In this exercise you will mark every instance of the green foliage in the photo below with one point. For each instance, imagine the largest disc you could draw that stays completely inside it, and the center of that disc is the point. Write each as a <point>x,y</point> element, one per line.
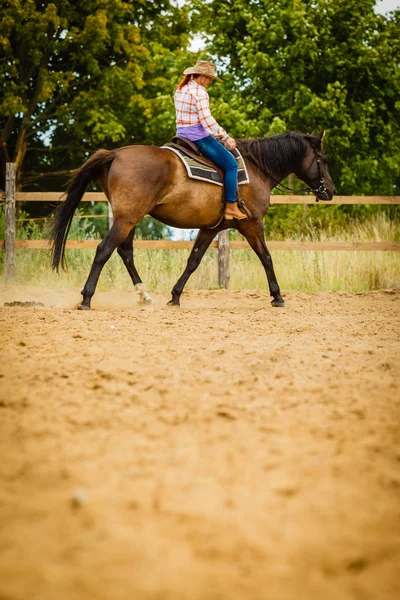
<point>78,75</point>
<point>150,229</point>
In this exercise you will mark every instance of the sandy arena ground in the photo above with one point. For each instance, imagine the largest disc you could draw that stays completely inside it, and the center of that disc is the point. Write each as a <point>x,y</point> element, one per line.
<point>226,450</point>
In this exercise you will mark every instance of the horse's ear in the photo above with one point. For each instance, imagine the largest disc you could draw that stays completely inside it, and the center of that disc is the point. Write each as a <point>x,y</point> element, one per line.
<point>321,137</point>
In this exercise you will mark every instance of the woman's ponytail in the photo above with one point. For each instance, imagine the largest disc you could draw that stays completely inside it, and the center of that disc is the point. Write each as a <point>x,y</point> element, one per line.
<point>185,79</point>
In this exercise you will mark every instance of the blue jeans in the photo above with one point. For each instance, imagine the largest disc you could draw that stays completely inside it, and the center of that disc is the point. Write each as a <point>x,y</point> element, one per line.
<point>216,152</point>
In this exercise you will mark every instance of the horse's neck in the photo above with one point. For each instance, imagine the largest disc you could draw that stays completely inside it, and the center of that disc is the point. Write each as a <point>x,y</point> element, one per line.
<point>277,178</point>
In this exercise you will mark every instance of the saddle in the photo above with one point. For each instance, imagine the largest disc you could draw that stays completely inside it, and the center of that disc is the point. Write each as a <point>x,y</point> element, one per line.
<point>190,149</point>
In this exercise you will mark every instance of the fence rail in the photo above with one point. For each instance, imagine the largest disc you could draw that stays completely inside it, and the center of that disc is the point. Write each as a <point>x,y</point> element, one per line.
<point>235,245</point>
<point>223,244</point>
<point>275,199</point>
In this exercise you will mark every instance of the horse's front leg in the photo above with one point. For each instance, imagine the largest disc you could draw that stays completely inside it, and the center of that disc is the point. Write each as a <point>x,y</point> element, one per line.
<point>253,231</point>
<point>203,240</point>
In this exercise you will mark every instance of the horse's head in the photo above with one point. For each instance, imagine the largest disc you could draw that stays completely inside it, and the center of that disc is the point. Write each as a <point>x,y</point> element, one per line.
<point>313,169</point>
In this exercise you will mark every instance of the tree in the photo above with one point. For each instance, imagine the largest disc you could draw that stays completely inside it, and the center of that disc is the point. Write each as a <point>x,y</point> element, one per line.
<point>76,75</point>
<point>312,64</point>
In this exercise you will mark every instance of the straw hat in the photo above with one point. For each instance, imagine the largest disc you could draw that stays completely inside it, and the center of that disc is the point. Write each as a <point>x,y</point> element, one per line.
<point>202,67</point>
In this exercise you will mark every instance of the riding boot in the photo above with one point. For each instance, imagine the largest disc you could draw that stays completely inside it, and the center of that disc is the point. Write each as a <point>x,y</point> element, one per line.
<point>232,211</point>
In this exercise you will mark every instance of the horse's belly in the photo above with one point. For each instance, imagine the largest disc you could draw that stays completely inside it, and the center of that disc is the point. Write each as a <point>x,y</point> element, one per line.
<point>191,212</point>
<point>191,222</point>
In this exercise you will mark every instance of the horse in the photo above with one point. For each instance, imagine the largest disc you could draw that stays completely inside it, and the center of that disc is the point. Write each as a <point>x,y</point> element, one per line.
<point>140,180</point>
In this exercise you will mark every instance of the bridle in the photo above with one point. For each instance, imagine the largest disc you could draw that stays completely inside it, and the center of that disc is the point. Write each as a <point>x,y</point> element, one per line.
<point>322,189</point>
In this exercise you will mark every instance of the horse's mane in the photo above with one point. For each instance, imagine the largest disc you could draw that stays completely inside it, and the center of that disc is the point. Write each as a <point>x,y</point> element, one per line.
<point>278,153</point>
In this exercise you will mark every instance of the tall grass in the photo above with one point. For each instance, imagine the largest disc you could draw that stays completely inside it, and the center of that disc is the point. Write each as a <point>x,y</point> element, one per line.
<point>309,271</point>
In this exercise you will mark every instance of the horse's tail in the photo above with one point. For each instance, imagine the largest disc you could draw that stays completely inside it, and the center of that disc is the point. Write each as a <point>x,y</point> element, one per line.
<point>62,218</point>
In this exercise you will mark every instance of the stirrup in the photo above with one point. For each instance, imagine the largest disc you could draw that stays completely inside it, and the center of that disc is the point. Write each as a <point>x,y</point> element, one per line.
<point>243,207</point>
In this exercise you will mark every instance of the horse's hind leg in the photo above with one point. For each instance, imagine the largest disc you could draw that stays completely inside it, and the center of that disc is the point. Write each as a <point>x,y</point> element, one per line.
<point>116,236</point>
<point>125,250</point>
<point>203,240</point>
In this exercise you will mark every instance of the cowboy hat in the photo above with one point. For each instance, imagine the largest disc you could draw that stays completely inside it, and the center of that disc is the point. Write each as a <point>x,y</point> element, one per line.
<point>202,67</point>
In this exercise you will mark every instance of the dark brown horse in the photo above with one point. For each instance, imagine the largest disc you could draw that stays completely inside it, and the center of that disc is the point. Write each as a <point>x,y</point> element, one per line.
<point>140,180</point>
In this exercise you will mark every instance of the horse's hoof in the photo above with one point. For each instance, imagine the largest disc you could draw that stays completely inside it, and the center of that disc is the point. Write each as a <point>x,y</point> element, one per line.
<point>145,300</point>
<point>173,303</point>
<point>83,307</point>
<point>278,302</point>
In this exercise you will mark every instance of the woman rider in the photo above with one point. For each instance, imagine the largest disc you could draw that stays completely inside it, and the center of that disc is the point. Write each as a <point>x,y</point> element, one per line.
<point>195,123</point>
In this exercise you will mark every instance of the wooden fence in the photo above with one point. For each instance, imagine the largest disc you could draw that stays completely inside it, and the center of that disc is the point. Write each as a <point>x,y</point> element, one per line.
<point>223,244</point>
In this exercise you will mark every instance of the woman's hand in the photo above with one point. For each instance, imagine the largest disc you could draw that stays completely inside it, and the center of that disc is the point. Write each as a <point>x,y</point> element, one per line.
<point>230,142</point>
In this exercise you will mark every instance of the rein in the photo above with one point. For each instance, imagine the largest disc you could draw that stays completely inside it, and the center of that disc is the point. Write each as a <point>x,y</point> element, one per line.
<point>320,190</point>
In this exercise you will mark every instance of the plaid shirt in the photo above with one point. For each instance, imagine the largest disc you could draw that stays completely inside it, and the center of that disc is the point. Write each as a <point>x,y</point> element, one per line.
<point>193,107</point>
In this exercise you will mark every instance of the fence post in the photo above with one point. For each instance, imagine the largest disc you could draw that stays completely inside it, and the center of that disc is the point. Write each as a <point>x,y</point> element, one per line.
<point>223,259</point>
<point>10,221</point>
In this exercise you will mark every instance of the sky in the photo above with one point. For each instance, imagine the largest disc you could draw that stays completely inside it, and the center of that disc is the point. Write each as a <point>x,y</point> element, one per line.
<point>384,6</point>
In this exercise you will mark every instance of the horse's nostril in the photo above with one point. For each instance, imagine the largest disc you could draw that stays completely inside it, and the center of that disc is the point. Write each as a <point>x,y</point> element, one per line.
<point>334,191</point>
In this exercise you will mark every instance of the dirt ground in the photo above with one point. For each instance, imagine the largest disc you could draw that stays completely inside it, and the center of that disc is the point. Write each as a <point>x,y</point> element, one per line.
<point>224,450</point>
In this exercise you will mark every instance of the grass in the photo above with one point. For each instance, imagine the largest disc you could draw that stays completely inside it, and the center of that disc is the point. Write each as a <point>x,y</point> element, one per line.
<point>308,271</point>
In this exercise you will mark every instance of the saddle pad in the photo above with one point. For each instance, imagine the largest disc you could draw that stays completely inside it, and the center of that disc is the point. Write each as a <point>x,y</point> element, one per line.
<point>196,170</point>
